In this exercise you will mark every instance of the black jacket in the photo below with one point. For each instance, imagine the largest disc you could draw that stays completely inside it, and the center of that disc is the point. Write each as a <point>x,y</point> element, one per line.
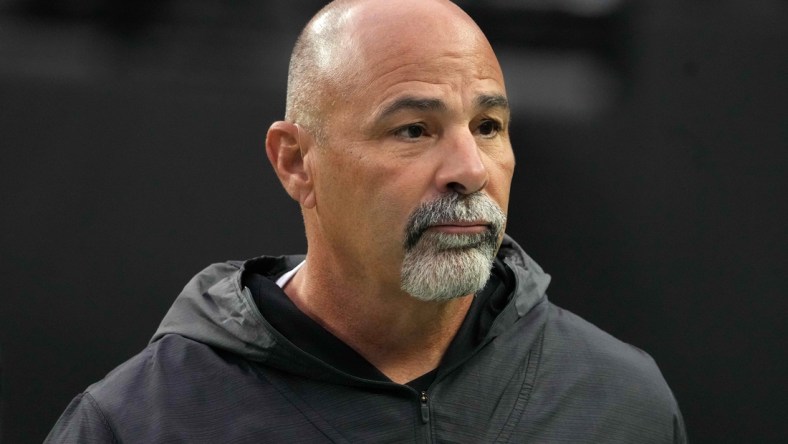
<point>216,371</point>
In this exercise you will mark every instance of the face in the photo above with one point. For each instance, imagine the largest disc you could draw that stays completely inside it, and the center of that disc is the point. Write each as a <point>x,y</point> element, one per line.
<point>421,123</point>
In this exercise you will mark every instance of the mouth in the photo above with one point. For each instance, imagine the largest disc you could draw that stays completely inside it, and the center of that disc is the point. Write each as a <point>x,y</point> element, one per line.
<point>475,227</point>
<point>453,219</point>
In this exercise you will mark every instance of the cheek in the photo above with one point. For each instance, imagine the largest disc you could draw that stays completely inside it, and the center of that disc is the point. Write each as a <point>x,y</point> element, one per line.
<point>501,171</point>
<point>393,192</point>
<point>378,193</point>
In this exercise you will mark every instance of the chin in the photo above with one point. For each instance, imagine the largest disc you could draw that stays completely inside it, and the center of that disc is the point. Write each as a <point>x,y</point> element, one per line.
<point>447,274</point>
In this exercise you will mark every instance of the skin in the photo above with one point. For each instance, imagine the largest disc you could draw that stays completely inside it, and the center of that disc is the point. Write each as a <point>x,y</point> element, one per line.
<point>422,114</point>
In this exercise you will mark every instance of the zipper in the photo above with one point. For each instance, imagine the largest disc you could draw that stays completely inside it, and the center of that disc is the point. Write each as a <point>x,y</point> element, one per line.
<point>425,407</point>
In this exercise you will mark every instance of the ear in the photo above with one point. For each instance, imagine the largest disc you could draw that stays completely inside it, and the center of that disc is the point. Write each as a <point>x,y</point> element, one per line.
<point>287,155</point>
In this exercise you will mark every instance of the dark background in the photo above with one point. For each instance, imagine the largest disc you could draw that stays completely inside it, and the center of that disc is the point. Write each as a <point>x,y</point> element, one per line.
<point>651,143</point>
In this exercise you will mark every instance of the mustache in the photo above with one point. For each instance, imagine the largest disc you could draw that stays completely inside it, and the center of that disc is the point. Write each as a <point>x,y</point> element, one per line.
<point>453,208</point>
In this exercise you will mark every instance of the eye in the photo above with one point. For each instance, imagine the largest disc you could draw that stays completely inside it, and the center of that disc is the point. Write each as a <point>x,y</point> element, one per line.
<point>412,131</point>
<point>489,128</point>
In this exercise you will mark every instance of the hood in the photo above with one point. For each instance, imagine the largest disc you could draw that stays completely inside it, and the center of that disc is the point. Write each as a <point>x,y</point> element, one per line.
<point>214,308</point>
<point>532,281</point>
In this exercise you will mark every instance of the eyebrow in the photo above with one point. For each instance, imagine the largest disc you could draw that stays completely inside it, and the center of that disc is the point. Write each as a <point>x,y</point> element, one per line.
<point>485,101</point>
<point>412,103</point>
<point>488,101</point>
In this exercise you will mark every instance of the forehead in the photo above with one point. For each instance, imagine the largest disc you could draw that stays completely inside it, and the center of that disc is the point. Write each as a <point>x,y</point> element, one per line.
<point>431,63</point>
<point>385,55</point>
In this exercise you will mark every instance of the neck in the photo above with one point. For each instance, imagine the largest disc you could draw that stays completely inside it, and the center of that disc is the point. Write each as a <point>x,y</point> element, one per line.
<point>401,336</point>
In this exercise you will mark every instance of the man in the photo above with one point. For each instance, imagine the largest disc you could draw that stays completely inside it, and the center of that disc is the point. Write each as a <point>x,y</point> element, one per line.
<point>412,316</point>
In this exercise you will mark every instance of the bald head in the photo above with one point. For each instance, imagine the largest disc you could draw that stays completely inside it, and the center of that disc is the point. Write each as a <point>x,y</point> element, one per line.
<point>341,41</point>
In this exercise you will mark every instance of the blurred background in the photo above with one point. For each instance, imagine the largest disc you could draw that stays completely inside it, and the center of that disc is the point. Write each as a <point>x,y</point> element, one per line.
<point>651,139</point>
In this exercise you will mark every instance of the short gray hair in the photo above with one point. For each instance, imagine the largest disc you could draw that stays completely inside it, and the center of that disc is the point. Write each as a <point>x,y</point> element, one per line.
<point>314,69</point>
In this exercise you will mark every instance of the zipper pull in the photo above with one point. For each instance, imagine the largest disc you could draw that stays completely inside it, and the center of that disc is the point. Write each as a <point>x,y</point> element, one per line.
<point>425,408</point>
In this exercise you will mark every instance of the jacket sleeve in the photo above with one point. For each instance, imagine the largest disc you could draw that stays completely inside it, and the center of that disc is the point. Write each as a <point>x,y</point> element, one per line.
<point>679,430</point>
<point>82,422</point>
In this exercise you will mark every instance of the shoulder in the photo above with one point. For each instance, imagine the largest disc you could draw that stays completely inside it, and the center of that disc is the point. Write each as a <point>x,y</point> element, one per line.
<point>584,369</point>
<point>571,333</point>
<point>582,348</point>
<point>173,363</point>
<point>82,422</point>
<point>181,390</point>
<point>98,414</point>
<point>177,386</point>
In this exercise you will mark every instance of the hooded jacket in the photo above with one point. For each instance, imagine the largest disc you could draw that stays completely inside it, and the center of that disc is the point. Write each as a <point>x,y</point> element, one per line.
<point>217,371</point>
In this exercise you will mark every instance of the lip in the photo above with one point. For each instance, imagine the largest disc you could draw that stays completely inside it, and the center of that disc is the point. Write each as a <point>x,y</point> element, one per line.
<point>461,227</point>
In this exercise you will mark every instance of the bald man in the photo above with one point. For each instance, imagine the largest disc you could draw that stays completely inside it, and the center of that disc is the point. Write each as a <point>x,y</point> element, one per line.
<point>412,317</point>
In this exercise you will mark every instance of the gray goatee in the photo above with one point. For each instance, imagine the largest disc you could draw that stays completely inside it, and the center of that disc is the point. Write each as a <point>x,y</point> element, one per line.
<point>442,266</point>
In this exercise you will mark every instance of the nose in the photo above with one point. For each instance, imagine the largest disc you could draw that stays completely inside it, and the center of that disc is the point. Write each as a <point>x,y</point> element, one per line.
<point>461,167</point>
